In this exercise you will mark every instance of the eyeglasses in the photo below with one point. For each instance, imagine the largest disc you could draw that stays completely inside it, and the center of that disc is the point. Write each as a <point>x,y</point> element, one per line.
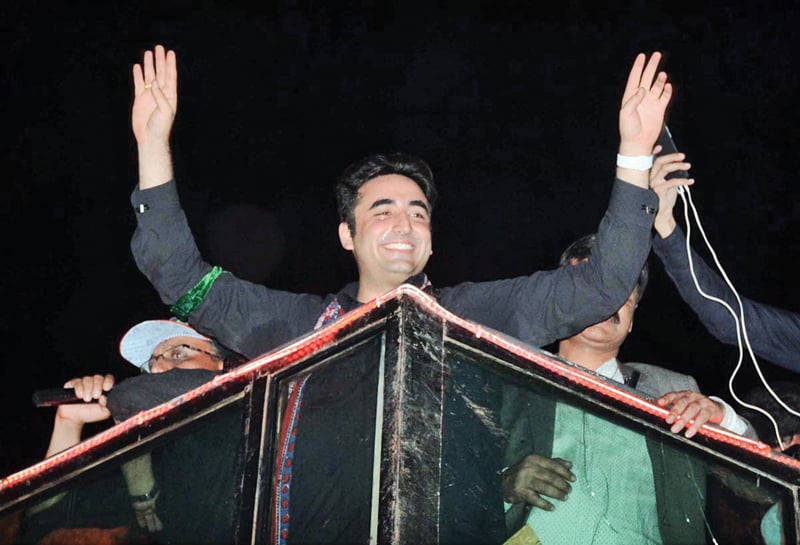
<point>178,354</point>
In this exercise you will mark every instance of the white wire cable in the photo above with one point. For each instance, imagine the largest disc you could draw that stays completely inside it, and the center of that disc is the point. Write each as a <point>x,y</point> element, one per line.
<point>741,329</point>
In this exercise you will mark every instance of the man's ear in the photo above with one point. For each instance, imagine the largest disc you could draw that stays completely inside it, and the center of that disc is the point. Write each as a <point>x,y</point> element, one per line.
<point>345,237</point>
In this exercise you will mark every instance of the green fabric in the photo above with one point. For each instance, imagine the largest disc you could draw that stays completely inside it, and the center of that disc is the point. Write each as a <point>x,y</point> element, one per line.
<point>614,479</point>
<point>195,296</point>
<point>528,415</point>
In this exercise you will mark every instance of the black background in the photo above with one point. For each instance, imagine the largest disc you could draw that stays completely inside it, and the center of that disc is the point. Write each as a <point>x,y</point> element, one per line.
<point>514,105</point>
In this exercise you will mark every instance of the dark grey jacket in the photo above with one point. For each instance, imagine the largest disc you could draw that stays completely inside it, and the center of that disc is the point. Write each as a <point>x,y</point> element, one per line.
<point>774,333</point>
<point>537,309</point>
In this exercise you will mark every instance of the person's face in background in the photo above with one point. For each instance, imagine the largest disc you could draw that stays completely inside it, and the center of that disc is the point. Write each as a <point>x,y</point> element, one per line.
<point>791,445</point>
<point>611,332</point>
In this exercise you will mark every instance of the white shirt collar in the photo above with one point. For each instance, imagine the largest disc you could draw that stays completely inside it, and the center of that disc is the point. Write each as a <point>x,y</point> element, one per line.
<point>610,369</point>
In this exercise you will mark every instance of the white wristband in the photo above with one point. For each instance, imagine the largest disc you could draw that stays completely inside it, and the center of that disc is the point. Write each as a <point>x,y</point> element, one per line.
<point>636,162</point>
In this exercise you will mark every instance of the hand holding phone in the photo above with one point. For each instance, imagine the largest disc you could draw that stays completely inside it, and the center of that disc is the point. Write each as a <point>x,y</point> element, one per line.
<point>668,146</point>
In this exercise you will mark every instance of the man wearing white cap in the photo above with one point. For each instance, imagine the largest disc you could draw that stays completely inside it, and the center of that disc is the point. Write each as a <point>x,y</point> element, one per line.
<point>156,347</point>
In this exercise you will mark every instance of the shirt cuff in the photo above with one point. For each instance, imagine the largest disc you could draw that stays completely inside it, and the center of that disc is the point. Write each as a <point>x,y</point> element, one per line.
<point>731,421</point>
<point>161,198</point>
<point>636,204</point>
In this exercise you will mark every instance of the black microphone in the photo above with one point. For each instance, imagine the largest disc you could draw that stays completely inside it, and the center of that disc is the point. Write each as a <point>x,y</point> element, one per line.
<point>52,397</point>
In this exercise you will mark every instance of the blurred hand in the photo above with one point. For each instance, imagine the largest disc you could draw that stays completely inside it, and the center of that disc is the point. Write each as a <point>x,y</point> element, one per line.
<point>537,476</point>
<point>155,92</point>
<point>89,388</point>
<point>667,190</point>
<point>644,103</point>
<point>690,410</point>
<point>146,515</point>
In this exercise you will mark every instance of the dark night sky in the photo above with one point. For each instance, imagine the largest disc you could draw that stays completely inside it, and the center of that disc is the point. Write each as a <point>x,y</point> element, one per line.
<point>514,107</point>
